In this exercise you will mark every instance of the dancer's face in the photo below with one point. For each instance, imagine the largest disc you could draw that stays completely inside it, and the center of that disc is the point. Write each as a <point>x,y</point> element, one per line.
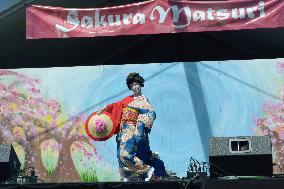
<point>135,88</point>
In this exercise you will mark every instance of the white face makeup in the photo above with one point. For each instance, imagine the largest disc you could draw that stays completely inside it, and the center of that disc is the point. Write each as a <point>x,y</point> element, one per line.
<point>135,88</point>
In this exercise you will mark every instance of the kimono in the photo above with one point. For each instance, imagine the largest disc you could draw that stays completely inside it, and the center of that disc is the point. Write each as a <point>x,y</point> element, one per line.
<point>136,117</point>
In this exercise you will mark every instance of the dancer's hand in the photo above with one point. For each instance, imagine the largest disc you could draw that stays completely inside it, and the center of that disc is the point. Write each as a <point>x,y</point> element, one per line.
<point>100,111</point>
<point>155,155</point>
<point>149,126</point>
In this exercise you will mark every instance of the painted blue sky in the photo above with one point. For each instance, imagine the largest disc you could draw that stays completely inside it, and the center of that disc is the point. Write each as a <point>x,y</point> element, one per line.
<point>5,4</point>
<point>193,101</point>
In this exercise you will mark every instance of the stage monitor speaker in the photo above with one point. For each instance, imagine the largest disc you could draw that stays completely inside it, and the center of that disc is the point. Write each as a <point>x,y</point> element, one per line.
<point>9,163</point>
<point>240,156</point>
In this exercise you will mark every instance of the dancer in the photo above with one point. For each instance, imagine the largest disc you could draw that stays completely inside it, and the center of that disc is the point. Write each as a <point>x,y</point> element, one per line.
<point>133,119</point>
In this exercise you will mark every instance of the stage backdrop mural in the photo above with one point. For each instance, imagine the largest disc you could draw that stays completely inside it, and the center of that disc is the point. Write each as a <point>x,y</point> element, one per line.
<point>43,111</point>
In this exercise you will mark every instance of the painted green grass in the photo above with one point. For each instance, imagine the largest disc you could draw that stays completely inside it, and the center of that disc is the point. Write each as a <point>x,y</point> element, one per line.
<point>88,176</point>
<point>89,167</point>
<point>20,151</point>
<point>93,170</point>
<point>49,161</point>
<point>106,173</point>
<point>84,166</point>
<point>49,156</point>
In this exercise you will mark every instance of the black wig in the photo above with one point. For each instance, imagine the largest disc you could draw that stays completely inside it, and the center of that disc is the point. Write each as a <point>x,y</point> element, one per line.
<point>134,77</point>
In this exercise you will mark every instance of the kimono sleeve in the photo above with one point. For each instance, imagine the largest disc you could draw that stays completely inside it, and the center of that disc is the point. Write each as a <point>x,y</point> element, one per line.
<point>115,109</point>
<point>147,114</point>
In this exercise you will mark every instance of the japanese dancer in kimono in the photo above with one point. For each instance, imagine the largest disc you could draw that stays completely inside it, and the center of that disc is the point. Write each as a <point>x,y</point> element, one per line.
<point>133,119</point>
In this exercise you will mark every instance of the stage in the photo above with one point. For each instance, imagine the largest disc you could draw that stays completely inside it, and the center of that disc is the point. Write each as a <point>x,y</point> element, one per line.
<point>241,183</point>
<point>256,183</point>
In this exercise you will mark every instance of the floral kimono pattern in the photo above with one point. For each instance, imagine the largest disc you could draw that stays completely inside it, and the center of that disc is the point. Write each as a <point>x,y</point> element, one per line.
<point>134,152</point>
<point>134,118</point>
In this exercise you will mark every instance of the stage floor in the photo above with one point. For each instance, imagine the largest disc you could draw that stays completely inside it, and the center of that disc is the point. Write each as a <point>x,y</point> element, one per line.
<point>241,183</point>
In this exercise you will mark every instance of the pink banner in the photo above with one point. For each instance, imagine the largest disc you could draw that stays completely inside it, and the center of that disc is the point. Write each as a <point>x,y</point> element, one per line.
<point>153,17</point>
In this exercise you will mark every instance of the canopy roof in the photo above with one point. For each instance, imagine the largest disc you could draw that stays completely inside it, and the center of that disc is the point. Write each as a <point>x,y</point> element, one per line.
<point>17,52</point>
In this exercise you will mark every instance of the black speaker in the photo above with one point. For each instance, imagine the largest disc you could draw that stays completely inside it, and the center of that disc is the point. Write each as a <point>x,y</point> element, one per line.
<point>240,156</point>
<point>9,163</point>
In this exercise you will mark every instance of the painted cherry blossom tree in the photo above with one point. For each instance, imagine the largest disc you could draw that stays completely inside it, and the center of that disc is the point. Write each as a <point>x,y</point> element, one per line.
<point>43,136</point>
<point>272,123</point>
